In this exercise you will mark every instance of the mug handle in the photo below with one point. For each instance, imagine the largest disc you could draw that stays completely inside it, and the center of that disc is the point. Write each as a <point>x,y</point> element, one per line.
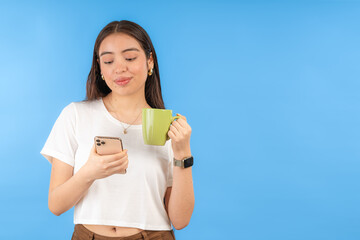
<point>173,119</point>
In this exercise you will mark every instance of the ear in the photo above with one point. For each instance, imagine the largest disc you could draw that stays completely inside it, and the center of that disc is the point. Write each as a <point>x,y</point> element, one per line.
<point>99,65</point>
<point>150,61</point>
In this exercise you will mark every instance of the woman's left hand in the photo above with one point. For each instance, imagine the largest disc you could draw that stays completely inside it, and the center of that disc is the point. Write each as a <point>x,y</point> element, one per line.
<point>179,133</point>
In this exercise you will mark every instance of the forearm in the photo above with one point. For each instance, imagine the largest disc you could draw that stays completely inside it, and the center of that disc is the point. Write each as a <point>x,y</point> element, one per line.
<point>182,200</point>
<point>65,196</point>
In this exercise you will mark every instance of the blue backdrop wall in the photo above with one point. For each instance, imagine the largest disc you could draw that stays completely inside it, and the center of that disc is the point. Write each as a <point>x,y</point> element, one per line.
<point>270,89</point>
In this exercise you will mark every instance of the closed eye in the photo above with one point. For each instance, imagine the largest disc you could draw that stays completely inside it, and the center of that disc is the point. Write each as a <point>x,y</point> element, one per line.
<point>127,59</point>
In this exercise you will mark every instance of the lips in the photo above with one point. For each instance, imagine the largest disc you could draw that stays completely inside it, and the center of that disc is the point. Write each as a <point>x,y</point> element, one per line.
<point>122,80</point>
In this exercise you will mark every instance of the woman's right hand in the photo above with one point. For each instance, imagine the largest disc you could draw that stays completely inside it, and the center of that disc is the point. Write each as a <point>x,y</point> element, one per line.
<point>101,166</point>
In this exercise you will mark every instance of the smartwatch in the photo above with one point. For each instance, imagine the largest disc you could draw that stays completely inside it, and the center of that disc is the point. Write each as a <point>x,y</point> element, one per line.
<point>185,163</point>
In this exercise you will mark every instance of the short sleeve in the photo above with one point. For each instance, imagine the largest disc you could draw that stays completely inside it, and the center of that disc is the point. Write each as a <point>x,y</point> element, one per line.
<point>169,180</point>
<point>62,143</point>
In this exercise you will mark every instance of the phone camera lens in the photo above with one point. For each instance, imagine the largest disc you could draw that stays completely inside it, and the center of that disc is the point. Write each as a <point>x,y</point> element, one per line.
<point>98,144</point>
<point>98,140</point>
<point>102,142</point>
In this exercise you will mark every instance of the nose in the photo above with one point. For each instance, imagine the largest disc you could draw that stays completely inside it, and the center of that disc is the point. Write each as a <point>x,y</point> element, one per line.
<point>120,67</point>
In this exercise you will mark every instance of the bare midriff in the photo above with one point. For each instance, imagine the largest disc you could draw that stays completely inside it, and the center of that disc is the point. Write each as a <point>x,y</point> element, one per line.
<point>112,231</point>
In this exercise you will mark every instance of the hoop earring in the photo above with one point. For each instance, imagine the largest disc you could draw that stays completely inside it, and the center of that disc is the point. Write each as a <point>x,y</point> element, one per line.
<point>150,72</point>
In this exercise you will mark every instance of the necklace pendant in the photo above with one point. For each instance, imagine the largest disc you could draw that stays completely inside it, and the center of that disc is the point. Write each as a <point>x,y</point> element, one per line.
<point>125,132</point>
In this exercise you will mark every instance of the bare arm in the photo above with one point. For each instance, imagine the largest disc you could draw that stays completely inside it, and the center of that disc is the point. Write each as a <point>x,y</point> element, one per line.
<point>180,197</point>
<point>67,189</point>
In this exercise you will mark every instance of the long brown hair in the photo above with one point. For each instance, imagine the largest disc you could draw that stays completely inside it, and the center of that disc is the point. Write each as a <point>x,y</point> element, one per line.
<point>96,87</point>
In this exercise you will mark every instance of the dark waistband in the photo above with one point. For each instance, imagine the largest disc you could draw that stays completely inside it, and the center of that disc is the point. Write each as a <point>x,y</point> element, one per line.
<point>144,234</point>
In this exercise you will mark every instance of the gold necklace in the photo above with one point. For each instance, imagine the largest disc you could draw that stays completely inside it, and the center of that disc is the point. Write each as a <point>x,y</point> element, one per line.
<point>125,129</point>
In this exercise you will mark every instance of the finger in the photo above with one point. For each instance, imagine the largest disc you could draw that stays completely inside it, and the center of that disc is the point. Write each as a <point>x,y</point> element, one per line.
<point>174,130</point>
<point>123,152</point>
<point>171,135</point>
<point>181,116</point>
<point>178,126</point>
<point>122,168</point>
<point>114,157</point>
<point>185,126</point>
<point>118,163</point>
<point>93,149</point>
<point>182,122</point>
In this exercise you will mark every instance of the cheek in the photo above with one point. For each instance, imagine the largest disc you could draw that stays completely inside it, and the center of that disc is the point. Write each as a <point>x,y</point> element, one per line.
<point>139,69</point>
<point>105,70</point>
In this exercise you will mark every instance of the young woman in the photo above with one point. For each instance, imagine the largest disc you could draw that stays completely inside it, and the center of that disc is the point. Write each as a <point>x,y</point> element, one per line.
<point>153,194</point>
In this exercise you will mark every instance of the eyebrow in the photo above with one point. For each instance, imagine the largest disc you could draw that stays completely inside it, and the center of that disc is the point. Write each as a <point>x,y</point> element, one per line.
<point>126,50</point>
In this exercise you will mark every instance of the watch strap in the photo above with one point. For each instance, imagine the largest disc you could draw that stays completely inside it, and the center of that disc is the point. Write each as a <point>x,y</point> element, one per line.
<point>184,163</point>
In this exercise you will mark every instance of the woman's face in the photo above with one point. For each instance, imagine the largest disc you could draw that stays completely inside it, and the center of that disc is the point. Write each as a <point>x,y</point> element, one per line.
<point>123,64</point>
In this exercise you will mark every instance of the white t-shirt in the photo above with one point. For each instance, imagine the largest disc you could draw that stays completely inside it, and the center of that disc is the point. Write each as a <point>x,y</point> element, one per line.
<point>134,199</point>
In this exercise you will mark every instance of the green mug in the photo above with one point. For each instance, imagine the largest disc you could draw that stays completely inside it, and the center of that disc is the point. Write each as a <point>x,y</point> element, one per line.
<point>155,125</point>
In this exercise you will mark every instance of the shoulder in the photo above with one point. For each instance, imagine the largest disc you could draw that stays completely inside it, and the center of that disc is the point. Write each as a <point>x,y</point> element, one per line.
<point>86,103</point>
<point>84,107</point>
<point>74,110</point>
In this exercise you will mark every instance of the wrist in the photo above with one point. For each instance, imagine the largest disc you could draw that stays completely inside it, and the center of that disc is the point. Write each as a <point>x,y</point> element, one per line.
<point>84,174</point>
<point>184,163</point>
<point>181,155</point>
<point>182,151</point>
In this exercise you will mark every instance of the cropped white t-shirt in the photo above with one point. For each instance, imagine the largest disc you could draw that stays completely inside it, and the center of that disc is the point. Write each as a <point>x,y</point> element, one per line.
<point>134,199</point>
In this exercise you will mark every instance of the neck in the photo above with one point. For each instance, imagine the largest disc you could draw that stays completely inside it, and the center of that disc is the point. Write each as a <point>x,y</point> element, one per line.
<point>126,105</point>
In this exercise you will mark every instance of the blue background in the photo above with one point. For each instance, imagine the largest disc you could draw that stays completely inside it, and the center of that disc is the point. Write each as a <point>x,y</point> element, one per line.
<point>270,89</point>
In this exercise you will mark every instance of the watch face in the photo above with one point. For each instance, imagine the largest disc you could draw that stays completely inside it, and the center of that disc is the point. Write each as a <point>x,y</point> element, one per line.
<point>188,162</point>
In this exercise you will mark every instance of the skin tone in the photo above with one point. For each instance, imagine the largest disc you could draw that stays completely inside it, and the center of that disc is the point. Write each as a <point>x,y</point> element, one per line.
<point>122,56</point>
